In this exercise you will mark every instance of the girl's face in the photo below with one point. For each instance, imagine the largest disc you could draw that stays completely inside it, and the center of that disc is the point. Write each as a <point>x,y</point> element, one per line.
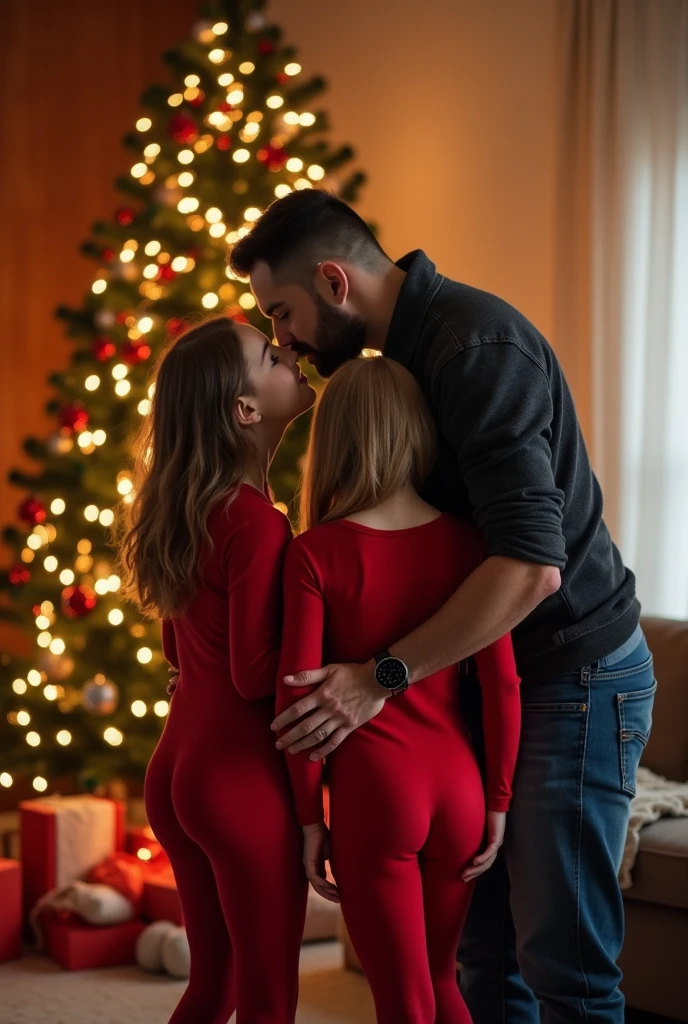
<point>280,391</point>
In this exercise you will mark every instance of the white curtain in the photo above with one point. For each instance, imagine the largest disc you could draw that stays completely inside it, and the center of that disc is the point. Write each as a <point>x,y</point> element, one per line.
<point>625,205</point>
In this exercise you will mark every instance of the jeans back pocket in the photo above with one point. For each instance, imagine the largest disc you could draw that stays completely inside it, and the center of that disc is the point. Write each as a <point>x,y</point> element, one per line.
<point>635,723</point>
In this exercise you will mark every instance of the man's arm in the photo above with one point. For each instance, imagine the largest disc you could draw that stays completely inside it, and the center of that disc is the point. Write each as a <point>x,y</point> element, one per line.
<point>493,407</point>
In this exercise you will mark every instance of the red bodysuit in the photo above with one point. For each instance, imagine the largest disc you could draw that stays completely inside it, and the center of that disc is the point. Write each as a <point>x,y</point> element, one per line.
<point>407,803</point>
<point>217,792</point>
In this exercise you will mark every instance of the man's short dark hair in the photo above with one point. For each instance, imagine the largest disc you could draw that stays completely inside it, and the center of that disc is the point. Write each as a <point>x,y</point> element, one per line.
<point>302,229</point>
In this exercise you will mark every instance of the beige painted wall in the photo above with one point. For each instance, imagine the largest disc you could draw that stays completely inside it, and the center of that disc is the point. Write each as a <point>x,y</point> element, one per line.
<point>453,108</point>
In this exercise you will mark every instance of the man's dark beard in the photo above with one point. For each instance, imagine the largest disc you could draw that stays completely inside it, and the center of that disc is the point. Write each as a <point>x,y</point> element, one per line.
<point>339,337</point>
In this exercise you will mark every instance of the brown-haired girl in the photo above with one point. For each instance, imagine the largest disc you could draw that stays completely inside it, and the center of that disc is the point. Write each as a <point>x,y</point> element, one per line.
<point>204,551</point>
<point>406,796</point>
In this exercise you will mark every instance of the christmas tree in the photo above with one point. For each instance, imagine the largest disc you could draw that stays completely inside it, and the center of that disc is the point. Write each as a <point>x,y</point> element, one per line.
<point>233,131</point>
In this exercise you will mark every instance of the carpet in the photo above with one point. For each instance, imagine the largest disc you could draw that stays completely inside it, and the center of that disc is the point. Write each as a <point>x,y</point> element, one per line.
<point>34,990</point>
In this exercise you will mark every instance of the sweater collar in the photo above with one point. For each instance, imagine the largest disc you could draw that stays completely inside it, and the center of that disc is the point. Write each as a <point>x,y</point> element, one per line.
<point>417,291</point>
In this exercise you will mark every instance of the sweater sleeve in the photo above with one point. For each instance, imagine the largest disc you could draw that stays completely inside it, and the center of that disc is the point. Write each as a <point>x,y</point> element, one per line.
<point>169,643</point>
<point>254,562</point>
<point>302,640</point>
<point>495,411</point>
<point>499,683</point>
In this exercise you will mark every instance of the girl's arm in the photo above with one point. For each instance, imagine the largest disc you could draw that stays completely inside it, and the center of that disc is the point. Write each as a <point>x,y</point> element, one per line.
<point>499,682</point>
<point>254,562</point>
<point>302,637</point>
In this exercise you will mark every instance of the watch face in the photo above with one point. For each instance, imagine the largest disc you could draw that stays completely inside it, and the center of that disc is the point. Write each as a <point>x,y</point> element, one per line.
<point>391,673</point>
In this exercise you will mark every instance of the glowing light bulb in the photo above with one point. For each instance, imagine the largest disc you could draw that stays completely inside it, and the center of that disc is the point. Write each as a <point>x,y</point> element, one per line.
<point>106,517</point>
<point>57,507</point>
<point>213,215</point>
<point>220,27</point>
<point>143,124</point>
<point>294,164</point>
<point>191,81</point>
<point>34,677</point>
<point>99,437</point>
<point>315,172</point>
<point>85,439</point>
<point>216,56</point>
<point>188,204</point>
<point>92,382</point>
<point>116,617</point>
<point>23,718</point>
<point>122,388</point>
<point>302,183</point>
<point>291,117</point>
<point>175,99</point>
<point>253,213</point>
<point>185,156</point>
<point>40,784</point>
<point>91,513</point>
<point>185,179</point>
<point>152,248</point>
<point>120,371</point>
<point>66,579</point>
<point>6,780</point>
<point>114,583</point>
<point>145,324</point>
<point>292,69</point>
<point>50,692</point>
<point>43,640</point>
<point>144,406</point>
<point>210,300</point>
<point>125,485</point>
<point>99,286</point>
<point>240,156</point>
<point>247,67</point>
<point>138,170</point>
<point>275,102</point>
<point>179,263</point>
<point>143,853</point>
<point>19,686</point>
<point>113,736</point>
<point>307,120</point>
<point>57,646</point>
<point>225,79</point>
<point>101,587</point>
<point>138,708</point>
<point>246,301</point>
<point>64,737</point>
<point>217,230</point>
<point>161,707</point>
<point>144,655</point>
<point>150,271</point>
<point>33,739</point>
<point>282,190</point>
<point>50,564</point>
<point>235,96</point>
<point>34,542</point>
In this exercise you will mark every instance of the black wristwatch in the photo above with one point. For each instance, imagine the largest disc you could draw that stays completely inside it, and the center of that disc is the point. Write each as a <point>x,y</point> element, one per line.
<point>392,673</point>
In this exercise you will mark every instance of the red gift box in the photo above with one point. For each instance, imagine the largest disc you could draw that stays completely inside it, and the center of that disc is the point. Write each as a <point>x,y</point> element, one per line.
<point>160,896</point>
<point>62,838</point>
<point>141,842</point>
<point>78,946</point>
<point>11,939</point>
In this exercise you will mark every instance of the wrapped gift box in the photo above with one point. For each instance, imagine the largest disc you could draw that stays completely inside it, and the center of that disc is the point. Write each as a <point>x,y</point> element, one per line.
<point>78,946</point>
<point>11,938</point>
<point>141,842</point>
<point>63,837</point>
<point>160,896</point>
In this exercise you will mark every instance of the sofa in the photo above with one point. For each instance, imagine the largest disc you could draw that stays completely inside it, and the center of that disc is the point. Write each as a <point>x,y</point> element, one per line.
<point>655,954</point>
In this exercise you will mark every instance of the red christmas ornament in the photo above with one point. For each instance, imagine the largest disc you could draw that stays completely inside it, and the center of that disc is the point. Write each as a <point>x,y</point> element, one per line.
<point>237,314</point>
<point>224,142</point>
<point>74,418</point>
<point>182,128</point>
<point>19,574</point>
<point>174,327</point>
<point>265,48</point>
<point>103,349</point>
<point>124,216</point>
<point>282,79</point>
<point>274,156</point>
<point>78,601</point>
<point>134,353</point>
<point>32,511</point>
<point>225,107</point>
<point>166,273</point>
<point>107,255</point>
<point>197,100</point>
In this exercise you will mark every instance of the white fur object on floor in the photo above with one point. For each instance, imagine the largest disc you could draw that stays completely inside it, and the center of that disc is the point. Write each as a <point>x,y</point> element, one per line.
<point>656,797</point>
<point>36,991</point>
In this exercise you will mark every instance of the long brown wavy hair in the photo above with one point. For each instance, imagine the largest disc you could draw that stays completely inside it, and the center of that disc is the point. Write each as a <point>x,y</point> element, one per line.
<point>190,453</point>
<point>371,435</point>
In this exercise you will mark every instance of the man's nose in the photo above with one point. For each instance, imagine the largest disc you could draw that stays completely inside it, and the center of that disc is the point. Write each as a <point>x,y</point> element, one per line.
<point>284,336</point>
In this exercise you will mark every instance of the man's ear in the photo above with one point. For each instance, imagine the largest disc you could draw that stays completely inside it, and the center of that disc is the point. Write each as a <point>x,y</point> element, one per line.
<point>331,283</point>
<point>245,411</point>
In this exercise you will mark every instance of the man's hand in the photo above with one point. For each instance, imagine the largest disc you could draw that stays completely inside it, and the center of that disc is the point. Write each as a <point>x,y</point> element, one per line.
<point>316,850</point>
<point>496,823</point>
<point>174,679</point>
<point>348,697</point>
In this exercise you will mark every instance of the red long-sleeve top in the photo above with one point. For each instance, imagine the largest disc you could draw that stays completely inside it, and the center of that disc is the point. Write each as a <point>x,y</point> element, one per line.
<point>227,641</point>
<point>351,592</point>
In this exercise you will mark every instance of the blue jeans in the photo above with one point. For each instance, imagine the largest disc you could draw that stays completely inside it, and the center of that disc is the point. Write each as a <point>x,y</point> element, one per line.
<point>546,924</point>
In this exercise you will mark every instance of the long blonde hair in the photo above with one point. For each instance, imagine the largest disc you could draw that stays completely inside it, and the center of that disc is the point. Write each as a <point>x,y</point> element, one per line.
<point>371,435</point>
<point>190,453</point>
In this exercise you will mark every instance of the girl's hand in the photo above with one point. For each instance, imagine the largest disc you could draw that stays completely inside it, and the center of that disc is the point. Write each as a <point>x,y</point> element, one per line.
<point>174,679</point>
<point>316,850</point>
<point>496,823</point>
